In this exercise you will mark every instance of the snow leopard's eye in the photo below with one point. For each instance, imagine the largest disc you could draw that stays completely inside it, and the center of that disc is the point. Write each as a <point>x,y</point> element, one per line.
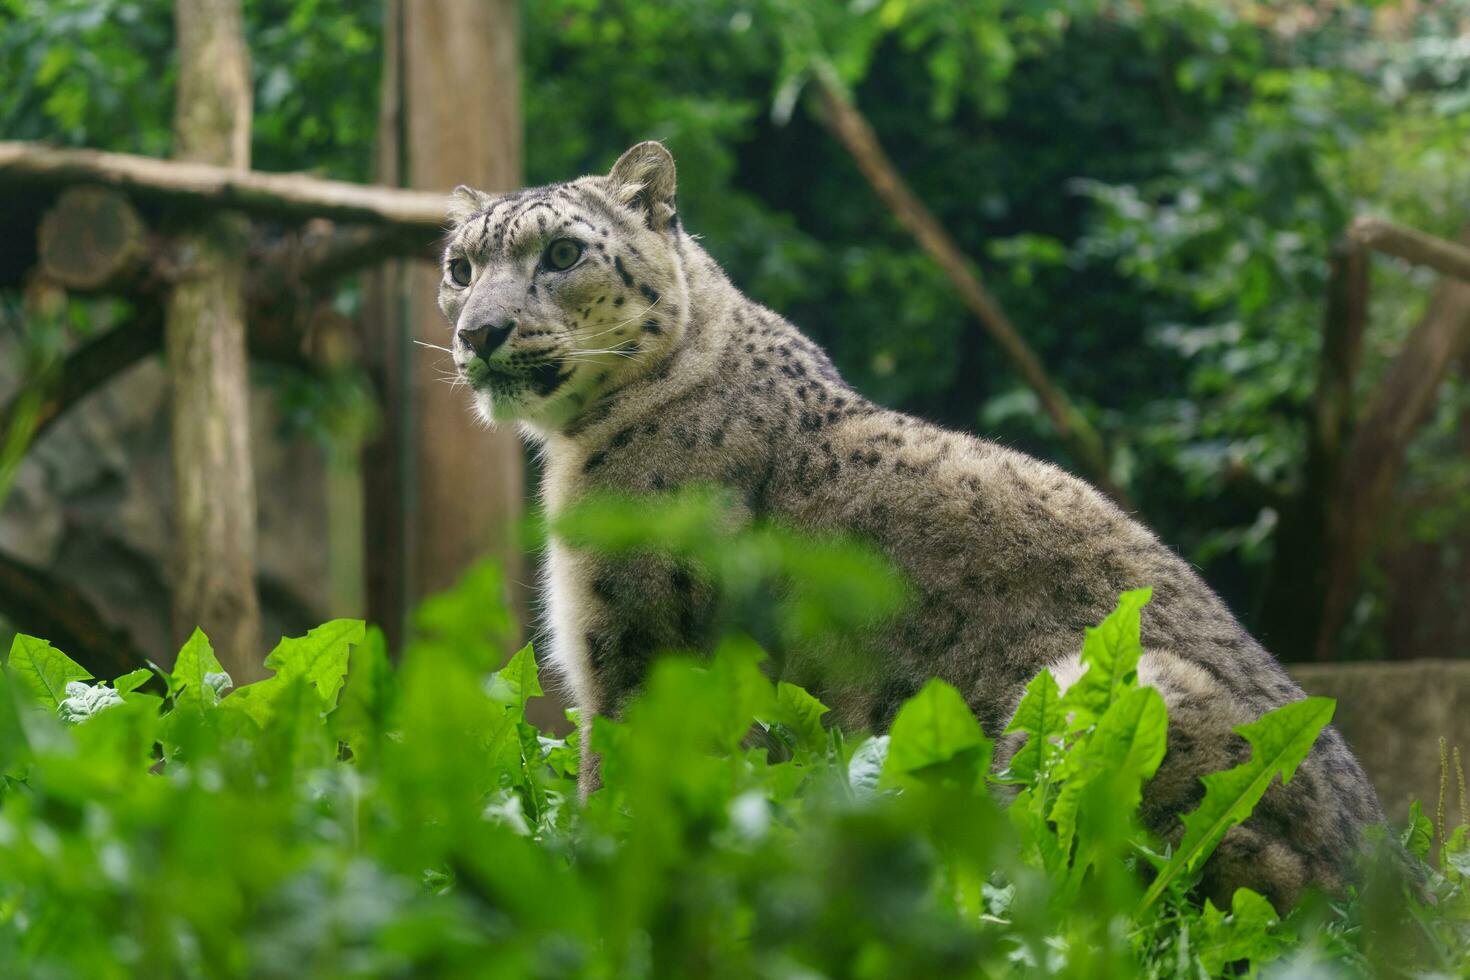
<point>460,271</point>
<point>562,254</point>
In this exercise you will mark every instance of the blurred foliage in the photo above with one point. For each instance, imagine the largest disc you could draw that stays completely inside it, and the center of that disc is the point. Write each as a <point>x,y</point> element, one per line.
<point>350,818</point>
<point>1151,190</point>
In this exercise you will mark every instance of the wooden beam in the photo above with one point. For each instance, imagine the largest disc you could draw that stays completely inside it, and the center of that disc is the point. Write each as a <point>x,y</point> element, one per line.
<point>1412,246</point>
<point>209,187</point>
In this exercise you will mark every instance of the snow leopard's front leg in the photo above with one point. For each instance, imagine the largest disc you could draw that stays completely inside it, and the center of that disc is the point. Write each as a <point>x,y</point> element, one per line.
<point>610,617</point>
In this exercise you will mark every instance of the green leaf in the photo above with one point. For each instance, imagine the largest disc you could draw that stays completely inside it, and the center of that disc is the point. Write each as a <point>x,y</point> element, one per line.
<point>195,675</point>
<point>1110,652</point>
<point>1280,741</point>
<point>1122,753</point>
<point>43,670</point>
<point>132,680</point>
<point>362,710</point>
<point>256,701</point>
<point>518,681</point>
<point>1418,836</point>
<point>319,657</point>
<point>1249,932</point>
<point>932,728</point>
<point>802,713</point>
<point>1041,717</point>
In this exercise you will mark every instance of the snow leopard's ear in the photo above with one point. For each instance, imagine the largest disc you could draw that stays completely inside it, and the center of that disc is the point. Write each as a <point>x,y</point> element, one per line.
<point>465,203</point>
<point>643,179</point>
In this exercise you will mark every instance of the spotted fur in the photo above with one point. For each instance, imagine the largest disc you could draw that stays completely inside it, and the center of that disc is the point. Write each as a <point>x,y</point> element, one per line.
<point>642,368</point>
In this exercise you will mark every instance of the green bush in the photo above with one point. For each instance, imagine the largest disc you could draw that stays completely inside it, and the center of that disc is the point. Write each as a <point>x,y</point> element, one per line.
<point>350,817</point>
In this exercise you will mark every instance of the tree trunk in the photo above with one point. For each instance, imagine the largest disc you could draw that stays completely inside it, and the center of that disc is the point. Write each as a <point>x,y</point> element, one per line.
<point>1296,584</point>
<point>1374,458</point>
<point>204,339</point>
<point>442,492</point>
<point>385,471</point>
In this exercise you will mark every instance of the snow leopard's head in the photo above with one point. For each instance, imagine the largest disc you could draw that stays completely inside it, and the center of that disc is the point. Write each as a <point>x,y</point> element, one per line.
<point>558,294</point>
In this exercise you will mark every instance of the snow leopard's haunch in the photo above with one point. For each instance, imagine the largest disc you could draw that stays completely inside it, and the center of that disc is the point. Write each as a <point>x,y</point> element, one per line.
<point>586,313</point>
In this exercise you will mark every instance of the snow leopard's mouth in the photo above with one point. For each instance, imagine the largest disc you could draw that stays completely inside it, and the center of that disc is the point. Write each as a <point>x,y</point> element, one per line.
<point>543,378</point>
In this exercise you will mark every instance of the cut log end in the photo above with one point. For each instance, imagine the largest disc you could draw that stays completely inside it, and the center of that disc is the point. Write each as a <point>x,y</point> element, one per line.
<point>91,239</point>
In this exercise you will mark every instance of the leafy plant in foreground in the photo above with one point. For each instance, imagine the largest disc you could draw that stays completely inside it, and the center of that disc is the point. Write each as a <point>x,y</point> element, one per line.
<point>350,817</point>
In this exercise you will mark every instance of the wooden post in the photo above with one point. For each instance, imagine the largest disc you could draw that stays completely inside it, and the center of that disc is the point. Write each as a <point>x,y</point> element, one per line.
<point>204,340</point>
<point>442,491</point>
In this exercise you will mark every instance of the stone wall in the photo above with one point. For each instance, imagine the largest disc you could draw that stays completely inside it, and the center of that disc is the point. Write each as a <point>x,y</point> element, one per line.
<point>92,504</point>
<point>1393,715</point>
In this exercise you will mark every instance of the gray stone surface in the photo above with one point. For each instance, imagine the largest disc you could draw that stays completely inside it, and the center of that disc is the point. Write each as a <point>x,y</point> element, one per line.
<point>1393,715</point>
<point>93,498</point>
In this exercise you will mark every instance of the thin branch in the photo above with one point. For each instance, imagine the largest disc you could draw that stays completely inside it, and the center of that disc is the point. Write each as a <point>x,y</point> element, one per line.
<point>853,131</point>
<point>1412,246</point>
<point>37,603</point>
<point>204,186</point>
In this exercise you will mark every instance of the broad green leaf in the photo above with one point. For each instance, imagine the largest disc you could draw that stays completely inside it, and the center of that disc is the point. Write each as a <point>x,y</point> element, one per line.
<point>194,688</point>
<point>1041,717</point>
<point>517,682</point>
<point>14,747</point>
<point>256,701</point>
<point>802,713</point>
<point>744,692</point>
<point>362,710</point>
<point>319,657</point>
<point>1121,754</point>
<point>1249,932</point>
<point>1110,652</point>
<point>132,680</point>
<point>933,727</point>
<point>43,670</point>
<point>1280,741</point>
<point>1418,836</point>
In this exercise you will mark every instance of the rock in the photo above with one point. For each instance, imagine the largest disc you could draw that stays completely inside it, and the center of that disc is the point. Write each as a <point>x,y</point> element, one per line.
<point>1393,714</point>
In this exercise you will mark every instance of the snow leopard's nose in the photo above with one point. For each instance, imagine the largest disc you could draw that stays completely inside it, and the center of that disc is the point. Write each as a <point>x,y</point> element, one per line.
<point>486,337</point>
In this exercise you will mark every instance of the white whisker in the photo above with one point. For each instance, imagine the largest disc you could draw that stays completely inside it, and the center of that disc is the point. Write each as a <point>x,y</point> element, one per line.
<point>623,323</point>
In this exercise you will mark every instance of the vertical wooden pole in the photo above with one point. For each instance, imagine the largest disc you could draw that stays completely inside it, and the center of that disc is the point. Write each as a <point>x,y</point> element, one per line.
<point>204,339</point>
<point>453,117</point>
<point>385,460</point>
<point>463,113</point>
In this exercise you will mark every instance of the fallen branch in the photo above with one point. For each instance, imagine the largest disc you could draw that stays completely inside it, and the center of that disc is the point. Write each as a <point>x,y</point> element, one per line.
<point>1412,246</point>
<point>847,123</point>
<point>295,197</point>
<point>35,602</point>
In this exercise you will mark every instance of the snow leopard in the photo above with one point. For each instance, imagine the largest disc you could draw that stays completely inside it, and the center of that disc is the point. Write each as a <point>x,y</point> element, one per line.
<point>585,313</point>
